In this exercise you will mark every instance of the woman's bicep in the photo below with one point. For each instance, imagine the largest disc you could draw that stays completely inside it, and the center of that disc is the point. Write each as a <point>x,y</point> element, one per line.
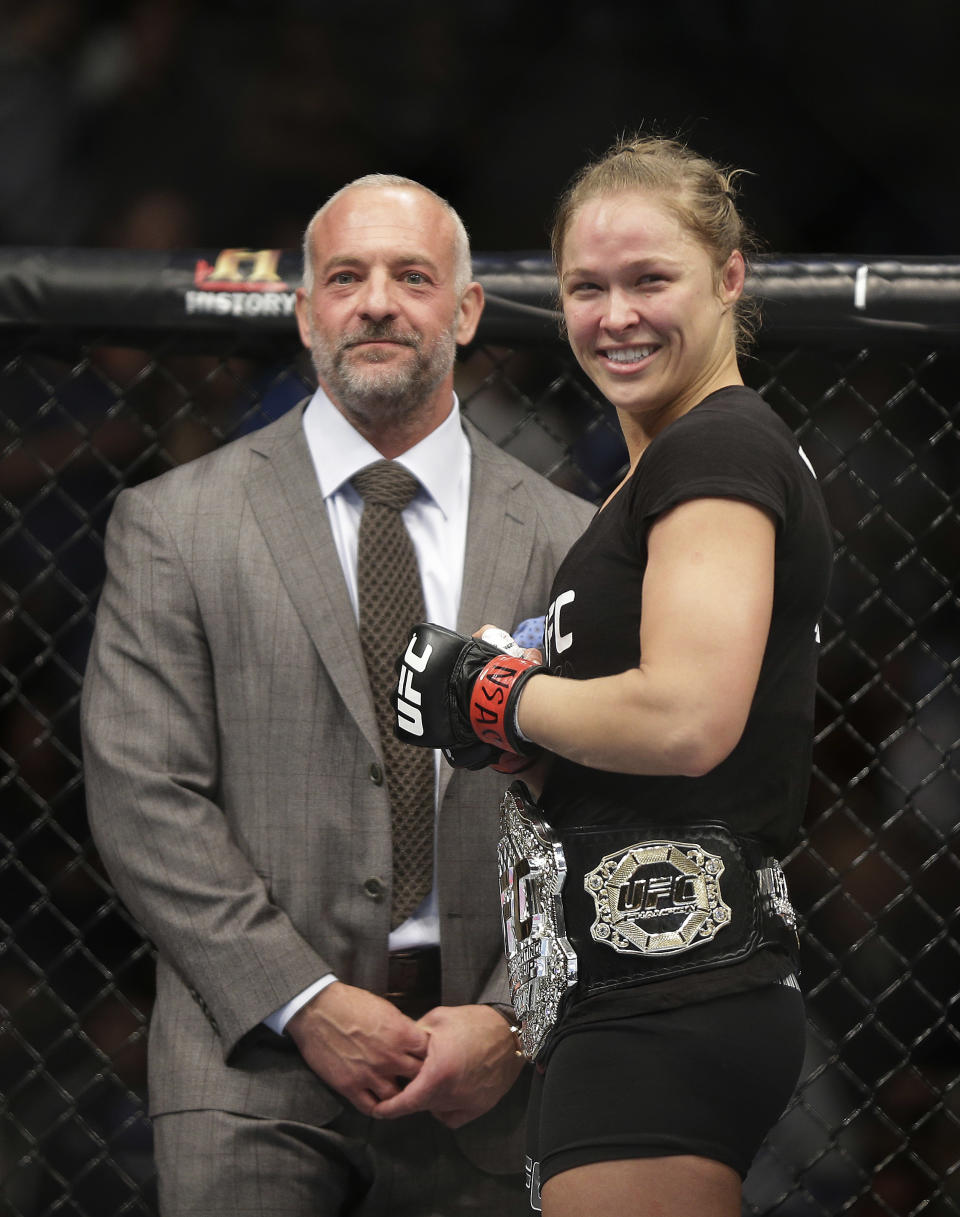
<point>707,598</point>
<point>707,601</point>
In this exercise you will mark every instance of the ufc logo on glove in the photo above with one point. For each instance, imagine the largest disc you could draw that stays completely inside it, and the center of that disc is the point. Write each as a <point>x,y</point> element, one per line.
<point>409,718</point>
<point>459,694</point>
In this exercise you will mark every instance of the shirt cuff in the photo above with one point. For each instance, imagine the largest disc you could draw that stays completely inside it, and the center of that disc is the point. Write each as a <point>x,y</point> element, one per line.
<point>278,1020</point>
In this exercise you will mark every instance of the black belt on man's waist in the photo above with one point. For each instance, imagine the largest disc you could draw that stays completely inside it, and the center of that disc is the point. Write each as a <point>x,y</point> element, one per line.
<point>595,908</point>
<point>413,980</point>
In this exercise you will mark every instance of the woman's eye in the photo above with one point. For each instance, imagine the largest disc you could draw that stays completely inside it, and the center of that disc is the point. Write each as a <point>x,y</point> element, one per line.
<point>583,289</point>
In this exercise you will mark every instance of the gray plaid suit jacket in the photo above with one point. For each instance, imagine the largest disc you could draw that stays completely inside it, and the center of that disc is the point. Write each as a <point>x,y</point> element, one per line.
<point>232,761</point>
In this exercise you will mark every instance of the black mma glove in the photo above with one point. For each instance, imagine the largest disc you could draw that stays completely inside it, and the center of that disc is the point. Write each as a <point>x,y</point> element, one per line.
<point>483,756</point>
<point>459,694</point>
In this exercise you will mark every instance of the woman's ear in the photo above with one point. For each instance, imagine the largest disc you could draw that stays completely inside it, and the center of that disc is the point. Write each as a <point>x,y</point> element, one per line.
<point>732,278</point>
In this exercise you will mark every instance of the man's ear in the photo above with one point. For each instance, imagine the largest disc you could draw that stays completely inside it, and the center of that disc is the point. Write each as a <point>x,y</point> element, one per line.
<point>303,317</point>
<point>468,313</point>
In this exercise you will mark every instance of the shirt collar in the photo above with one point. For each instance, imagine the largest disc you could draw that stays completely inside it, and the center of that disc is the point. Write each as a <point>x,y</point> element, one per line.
<point>338,451</point>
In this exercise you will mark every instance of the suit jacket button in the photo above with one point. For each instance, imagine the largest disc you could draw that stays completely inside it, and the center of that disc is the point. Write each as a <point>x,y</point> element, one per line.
<point>376,774</point>
<point>374,888</point>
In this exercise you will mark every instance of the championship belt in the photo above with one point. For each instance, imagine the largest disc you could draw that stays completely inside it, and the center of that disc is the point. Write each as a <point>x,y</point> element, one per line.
<point>657,898</point>
<point>541,963</point>
<point>646,901</point>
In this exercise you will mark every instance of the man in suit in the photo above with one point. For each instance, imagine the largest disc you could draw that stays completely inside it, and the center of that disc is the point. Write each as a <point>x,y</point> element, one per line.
<point>235,769</point>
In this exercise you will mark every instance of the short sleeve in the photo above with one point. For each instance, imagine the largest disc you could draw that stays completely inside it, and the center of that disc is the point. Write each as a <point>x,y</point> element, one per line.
<point>714,452</point>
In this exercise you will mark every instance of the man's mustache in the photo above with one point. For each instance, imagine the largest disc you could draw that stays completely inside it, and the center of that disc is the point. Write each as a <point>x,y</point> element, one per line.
<point>379,332</point>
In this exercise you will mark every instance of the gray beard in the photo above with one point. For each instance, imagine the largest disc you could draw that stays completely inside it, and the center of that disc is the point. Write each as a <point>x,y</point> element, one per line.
<point>374,394</point>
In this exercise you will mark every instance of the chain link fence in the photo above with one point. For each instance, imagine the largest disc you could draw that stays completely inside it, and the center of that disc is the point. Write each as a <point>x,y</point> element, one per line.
<point>103,385</point>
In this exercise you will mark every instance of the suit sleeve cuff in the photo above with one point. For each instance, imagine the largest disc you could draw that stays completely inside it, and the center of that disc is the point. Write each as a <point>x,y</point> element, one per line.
<point>278,1020</point>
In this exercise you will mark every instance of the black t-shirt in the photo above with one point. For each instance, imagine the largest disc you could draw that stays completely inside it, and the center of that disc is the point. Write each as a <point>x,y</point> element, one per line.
<point>731,445</point>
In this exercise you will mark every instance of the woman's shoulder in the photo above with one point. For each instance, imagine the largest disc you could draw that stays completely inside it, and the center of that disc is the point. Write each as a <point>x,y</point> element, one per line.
<point>731,445</point>
<point>732,406</point>
<point>730,420</point>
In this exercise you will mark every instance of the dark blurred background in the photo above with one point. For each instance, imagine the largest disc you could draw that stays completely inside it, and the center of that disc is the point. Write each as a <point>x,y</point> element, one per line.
<point>205,124</point>
<point>212,123</point>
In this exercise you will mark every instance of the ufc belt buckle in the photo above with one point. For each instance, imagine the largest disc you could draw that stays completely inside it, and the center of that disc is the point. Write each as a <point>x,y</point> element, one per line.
<point>541,963</point>
<point>657,898</point>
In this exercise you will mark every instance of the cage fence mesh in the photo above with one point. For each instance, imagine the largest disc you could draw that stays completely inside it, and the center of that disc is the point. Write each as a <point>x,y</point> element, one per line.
<point>874,1128</point>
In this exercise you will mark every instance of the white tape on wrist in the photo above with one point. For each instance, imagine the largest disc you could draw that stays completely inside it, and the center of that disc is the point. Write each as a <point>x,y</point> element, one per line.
<point>502,640</point>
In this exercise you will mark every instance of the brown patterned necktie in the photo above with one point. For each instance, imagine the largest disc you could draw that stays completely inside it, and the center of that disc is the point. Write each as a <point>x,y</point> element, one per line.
<point>390,600</point>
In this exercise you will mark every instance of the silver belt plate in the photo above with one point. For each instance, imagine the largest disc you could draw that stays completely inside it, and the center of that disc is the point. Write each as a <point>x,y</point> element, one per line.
<point>541,963</point>
<point>657,898</point>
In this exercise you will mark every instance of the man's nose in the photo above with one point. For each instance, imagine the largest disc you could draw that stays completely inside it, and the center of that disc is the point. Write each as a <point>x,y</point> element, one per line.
<point>377,299</point>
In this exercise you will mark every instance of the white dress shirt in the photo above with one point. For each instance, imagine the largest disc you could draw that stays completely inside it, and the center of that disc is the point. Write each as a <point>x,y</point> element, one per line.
<point>436,520</point>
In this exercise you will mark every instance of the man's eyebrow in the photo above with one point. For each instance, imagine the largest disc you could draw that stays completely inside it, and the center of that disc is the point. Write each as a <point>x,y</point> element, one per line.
<point>339,260</point>
<point>395,260</point>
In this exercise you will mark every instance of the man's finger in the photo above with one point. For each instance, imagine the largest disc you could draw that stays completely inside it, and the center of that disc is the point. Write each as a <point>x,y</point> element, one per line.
<point>416,1096</point>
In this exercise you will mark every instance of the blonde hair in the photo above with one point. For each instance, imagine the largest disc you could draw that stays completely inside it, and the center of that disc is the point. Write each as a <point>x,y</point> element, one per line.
<point>700,193</point>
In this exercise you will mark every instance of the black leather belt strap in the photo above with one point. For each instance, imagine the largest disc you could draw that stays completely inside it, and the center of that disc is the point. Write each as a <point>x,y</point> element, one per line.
<point>591,908</point>
<point>413,980</point>
<point>647,902</point>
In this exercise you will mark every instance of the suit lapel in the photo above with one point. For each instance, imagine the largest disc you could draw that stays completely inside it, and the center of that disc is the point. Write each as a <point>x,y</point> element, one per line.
<point>285,498</point>
<point>286,501</point>
<point>500,508</point>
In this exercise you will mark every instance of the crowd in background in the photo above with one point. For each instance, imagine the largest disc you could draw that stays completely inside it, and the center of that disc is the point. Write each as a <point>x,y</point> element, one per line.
<point>211,123</point>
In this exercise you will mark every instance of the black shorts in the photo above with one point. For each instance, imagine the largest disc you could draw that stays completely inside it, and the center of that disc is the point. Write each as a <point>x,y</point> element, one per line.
<point>709,1079</point>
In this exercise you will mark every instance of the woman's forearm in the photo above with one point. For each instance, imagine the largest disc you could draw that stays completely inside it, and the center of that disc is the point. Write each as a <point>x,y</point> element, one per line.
<point>631,723</point>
